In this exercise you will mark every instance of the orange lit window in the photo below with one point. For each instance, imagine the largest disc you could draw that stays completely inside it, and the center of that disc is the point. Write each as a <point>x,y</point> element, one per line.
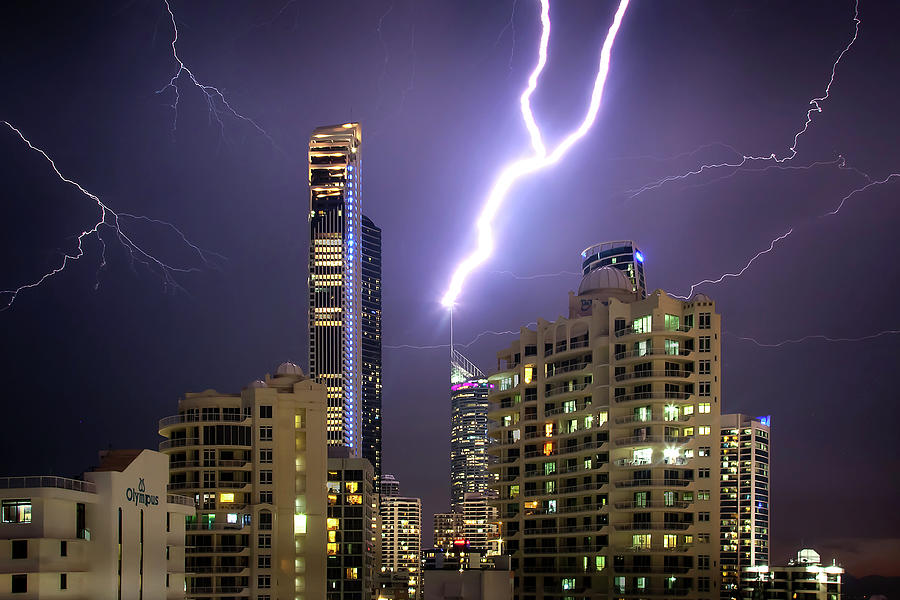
<point>353,573</point>
<point>332,499</point>
<point>532,504</point>
<point>332,536</point>
<point>354,499</point>
<point>351,487</point>
<point>548,429</point>
<point>548,448</point>
<point>332,523</point>
<point>226,497</point>
<point>332,549</point>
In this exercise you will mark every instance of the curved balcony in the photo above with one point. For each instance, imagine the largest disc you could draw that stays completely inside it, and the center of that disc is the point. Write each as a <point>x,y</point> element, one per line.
<point>565,389</point>
<point>218,570</point>
<point>655,396</point>
<point>636,355</point>
<point>630,483</point>
<point>217,550</point>
<point>214,527</point>
<point>665,374</point>
<point>178,443</point>
<point>179,465</point>
<point>656,417</point>
<point>229,590</point>
<point>197,485</point>
<point>652,526</point>
<point>576,368</point>
<point>181,419</point>
<point>654,548</point>
<point>640,440</point>
<point>629,331</point>
<point>676,505</point>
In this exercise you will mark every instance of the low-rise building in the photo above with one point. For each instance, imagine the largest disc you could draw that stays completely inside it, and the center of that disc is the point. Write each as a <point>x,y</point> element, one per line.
<point>113,534</point>
<point>803,578</point>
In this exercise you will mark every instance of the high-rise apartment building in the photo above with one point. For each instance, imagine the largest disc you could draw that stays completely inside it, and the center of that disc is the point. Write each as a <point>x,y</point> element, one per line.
<point>623,255</point>
<point>401,546</point>
<point>744,499</point>
<point>336,278</point>
<point>389,486</point>
<point>447,530</point>
<point>351,523</point>
<point>474,527</point>
<point>469,459</point>
<point>371,345</point>
<point>255,464</point>
<point>608,446</point>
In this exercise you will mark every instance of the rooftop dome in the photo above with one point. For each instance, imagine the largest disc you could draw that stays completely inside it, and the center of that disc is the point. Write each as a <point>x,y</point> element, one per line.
<point>605,278</point>
<point>288,368</point>
<point>700,297</point>
<point>257,384</point>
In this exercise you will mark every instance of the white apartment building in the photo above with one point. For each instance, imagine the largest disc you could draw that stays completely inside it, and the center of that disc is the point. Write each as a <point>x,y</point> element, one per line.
<point>115,534</point>
<point>401,544</point>
<point>255,463</point>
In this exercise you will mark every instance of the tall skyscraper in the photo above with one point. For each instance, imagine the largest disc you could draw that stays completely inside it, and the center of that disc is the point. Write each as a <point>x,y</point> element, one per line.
<point>336,278</point>
<point>255,465</point>
<point>371,344</point>
<point>744,499</point>
<point>469,471</point>
<point>608,446</point>
<point>623,255</point>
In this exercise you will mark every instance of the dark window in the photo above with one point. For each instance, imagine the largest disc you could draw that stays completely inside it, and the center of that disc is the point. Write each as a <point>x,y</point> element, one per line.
<point>530,350</point>
<point>19,584</point>
<point>265,433</point>
<point>63,583</point>
<point>265,497</point>
<point>265,520</point>
<point>64,548</point>
<point>19,549</point>
<point>265,412</point>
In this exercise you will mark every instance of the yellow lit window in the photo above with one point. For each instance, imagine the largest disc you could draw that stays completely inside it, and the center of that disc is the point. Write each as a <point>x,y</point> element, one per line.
<point>602,417</point>
<point>688,431</point>
<point>351,487</point>
<point>687,409</point>
<point>640,540</point>
<point>548,448</point>
<point>332,536</point>
<point>332,499</point>
<point>529,373</point>
<point>332,523</point>
<point>332,549</point>
<point>688,539</point>
<point>548,429</point>
<point>703,408</point>
<point>532,504</point>
<point>513,491</point>
<point>354,499</point>
<point>703,430</point>
<point>670,540</point>
<point>227,497</point>
<point>353,573</point>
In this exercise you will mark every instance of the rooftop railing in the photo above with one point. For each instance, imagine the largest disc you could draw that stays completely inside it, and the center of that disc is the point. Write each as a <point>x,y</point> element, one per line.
<point>47,481</point>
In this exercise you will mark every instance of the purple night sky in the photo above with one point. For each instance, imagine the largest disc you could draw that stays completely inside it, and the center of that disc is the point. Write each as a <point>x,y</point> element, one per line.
<point>435,86</point>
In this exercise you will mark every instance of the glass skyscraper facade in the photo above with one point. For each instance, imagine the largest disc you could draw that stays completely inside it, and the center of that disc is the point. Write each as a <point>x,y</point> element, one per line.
<point>371,344</point>
<point>469,473</point>
<point>336,278</point>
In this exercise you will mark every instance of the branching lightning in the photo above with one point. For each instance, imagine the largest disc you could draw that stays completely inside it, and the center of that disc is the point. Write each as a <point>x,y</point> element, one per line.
<point>215,99</point>
<point>819,337</point>
<point>475,339</point>
<point>815,105</point>
<point>541,159</point>
<point>113,220</point>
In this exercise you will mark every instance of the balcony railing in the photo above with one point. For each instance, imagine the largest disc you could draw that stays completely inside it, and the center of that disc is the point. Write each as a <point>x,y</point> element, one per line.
<point>652,526</point>
<point>653,483</point>
<point>631,330</point>
<point>568,369</point>
<point>653,396</point>
<point>178,443</point>
<point>63,483</point>
<point>651,439</point>
<point>187,464</point>
<point>565,389</point>
<point>641,462</point>
<point>670,373</point>
<point>215,549</point>
<point>678,504</point>
<point>653,352</point>
<point>177,499</point>
<point>200,418</point>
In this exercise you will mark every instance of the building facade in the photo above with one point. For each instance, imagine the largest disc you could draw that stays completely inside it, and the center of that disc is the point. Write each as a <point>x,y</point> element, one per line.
<point>608,446</point>
<point>401,546</point>
<point>336,278</point>
<point>803,578</point>
<point>469,459</point>
<point>352,527</point>
<point>447,530</point>
<point>371,345</point>
<point>255,464</point>
<point>623,255</point>
<point>389,486</point>
<point>744,497</point>
<point>113,534</point>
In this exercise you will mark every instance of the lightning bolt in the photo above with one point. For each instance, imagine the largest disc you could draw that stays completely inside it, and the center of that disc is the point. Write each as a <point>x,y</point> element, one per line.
<point>113,220</point>
<point>475,339</point>
<point>216,102</point>
<point>819,337</point>
<point>541,159</point>
<point>815,105</point>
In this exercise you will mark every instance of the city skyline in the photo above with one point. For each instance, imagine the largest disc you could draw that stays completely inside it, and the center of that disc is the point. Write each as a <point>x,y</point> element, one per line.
<point>128,351</point>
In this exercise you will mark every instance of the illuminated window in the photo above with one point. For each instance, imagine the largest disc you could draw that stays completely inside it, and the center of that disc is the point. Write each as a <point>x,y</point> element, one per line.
<point>670,412</point>
<point>17,511</point>
<point>332,523</point>
<point>351,487</point>
<point>602,417</point>
<point>640,540</point>
<point>548,429</point>
<point>600,562</point>
<point>332,536</point>
<point>642,325</point>
<point>549,487</point>
<point>568,583</point>
<point>640,499</point>
<point>688,431</point>
<point>569,406</point>
<point>669,498</point>
<point>703,495</point>
<point>226,497</point>
<point>551,506</point>
<point>670,540</point>
<point>703,408</point>
<point>331,549</point>
<point>703,430</point>
<point>673,322</point>
<point>332,499</point>
<point>687,410</point>
<point>513,491</point>
<point>548,448</point>
<point>354,499</point>
<point>529,373</point>
<point>352,573</point>
<point>231,518</point>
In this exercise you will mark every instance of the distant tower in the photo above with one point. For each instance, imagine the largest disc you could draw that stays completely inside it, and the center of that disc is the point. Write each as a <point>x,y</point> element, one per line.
<point>623,255</point>
<point>335,278</point>
<point>389,485</point>
<point>468,430</point>
<point>371,344</point>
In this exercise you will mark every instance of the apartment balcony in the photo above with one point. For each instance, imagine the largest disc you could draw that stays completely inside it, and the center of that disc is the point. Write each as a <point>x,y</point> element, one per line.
<point>217,570</point>
<point>629,483</point>
<point>218,591</point>
<point>199,485</point>
<point>640,440</point>
<point>655,418</point>
<point>663,374</point>
<point>235,550</point>
<point>676,331</point>
<point>576,368</point>
<point>638,463</point>
<point>579,406</point>
<point>178,443</point>
<point>639,570</point>
<point>676,505</point>
<point>652,526</point>
<point>564,510</point>
<point>215,527</point>
<point>639,355</point>
<point>654,549</point>
<point>180,465</point>
<point>653,396</point>
<point>169,422</point>
<point>651,592</point>
<point>567,347</point>
<point>47,481</point>
<point>562,390</point>
<point>565,549</point>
